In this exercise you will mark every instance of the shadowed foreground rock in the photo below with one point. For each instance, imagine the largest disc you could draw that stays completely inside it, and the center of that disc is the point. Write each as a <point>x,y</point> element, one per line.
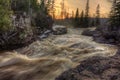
<point>95,68</point>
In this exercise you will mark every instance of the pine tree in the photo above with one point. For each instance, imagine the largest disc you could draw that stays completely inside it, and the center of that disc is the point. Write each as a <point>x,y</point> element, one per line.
<point>62,9</point>
<point>86,19</point>
<point>82,19</point>
<point>72,14</point>
<point>97,15</point>
<point>115,15</point>
<point>76,20</point>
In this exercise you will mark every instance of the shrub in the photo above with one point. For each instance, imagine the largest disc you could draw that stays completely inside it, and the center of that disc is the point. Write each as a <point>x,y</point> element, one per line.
<point>43,23</point>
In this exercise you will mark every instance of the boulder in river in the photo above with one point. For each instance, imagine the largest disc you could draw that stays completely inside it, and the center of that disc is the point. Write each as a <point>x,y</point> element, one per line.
<point>58,29</point>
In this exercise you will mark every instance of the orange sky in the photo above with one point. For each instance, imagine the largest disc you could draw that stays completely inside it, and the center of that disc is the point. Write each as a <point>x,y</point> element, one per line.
<point>71,5</point>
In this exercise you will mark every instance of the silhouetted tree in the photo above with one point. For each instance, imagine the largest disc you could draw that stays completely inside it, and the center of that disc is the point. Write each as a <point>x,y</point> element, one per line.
<point>97,22</point>
<point>62,9</point>
<point>42,20</point>
<point>82,19</point>
<point>115,15</point>
<point>73,14</point>
<point>66,15</point>
<point>86,19</point>
<point>76,20</point>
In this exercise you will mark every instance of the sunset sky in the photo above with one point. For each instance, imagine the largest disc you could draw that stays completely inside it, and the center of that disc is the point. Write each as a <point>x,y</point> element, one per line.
<point>71,5</point>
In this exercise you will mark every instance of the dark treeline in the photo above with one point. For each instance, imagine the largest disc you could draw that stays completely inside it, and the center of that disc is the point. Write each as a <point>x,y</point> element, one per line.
<point>84,19</point>
<point>111,32</point>
<point>114,26</point>
<point>108,31</point>
<point>21,21</point>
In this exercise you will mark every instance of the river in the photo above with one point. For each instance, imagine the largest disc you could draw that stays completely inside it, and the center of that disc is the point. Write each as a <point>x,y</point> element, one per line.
<point>47,59</point>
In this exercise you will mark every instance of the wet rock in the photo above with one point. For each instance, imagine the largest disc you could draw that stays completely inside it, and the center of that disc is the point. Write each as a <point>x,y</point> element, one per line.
<point>45,34</point>
<point>104,34</point>
<point>58,29</point>
<point>88,32</point>
<point>100,39</point>
<point>95,68</point>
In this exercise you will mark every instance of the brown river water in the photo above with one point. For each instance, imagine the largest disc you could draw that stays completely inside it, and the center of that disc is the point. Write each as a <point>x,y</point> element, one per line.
<point>47,59</point>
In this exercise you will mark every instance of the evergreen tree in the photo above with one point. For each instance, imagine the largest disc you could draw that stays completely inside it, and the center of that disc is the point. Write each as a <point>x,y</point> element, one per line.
<point>76,20</point>
<point>28,6</point>
<point>82,19</point>
<point>72,14</point>
<point>86,19</point>
<point>97,15</point>
<point>47,7</point>
<point>115,15</point>
<point>63,9</point>
<point>5,12</point>
<point>20,5</point>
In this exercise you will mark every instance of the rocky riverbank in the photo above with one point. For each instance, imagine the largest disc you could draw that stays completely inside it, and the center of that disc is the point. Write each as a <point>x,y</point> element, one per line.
<point>47,59</point>
<point>95,68</point>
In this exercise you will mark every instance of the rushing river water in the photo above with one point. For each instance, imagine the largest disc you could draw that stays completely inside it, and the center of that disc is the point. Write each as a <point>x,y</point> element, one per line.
<point>47,59</point>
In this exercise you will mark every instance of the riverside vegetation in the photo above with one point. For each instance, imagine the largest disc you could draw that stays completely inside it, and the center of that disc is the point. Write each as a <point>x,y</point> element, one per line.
<point>34,45</point>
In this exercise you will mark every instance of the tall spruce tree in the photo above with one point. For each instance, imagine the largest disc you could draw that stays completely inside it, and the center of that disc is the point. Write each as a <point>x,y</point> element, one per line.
<point>72,14</point>
<point>115,15</point>
<point>76,20</point>
<point>86,19</point>
<point>97,22</point>
<point>82,19</point>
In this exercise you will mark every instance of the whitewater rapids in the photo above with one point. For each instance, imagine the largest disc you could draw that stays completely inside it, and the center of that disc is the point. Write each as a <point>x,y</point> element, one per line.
<point>47,59</point>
